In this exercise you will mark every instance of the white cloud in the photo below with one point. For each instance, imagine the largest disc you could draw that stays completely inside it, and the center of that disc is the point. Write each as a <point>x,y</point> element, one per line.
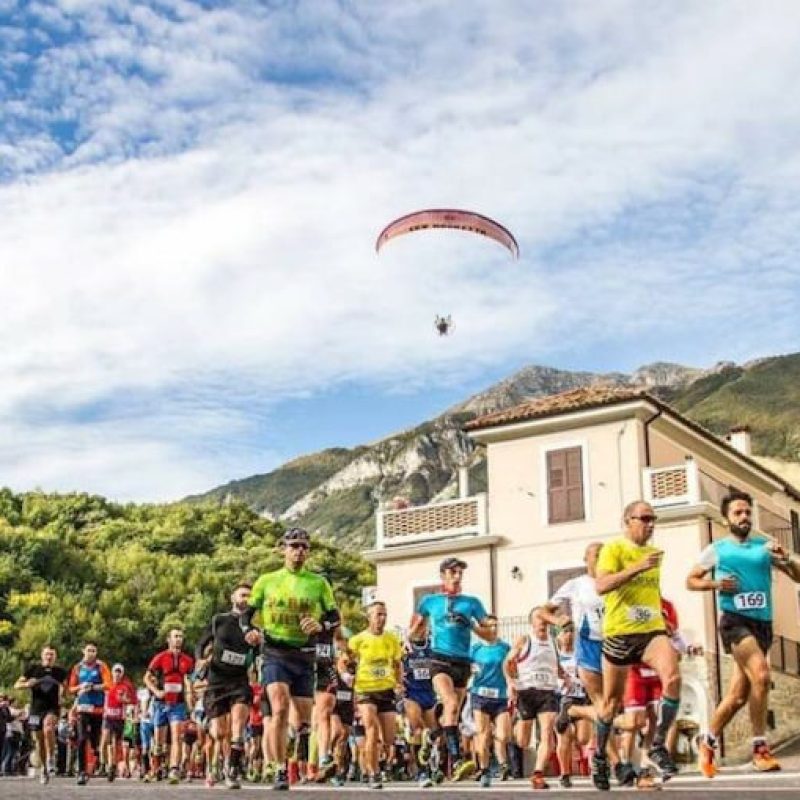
<point>207,237</point>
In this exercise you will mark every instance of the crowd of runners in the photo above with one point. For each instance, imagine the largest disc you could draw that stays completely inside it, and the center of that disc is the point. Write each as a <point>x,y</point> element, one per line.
<point>295,699</point>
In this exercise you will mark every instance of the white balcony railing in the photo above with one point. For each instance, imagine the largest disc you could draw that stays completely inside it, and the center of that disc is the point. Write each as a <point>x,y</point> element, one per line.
<point>450,519</point>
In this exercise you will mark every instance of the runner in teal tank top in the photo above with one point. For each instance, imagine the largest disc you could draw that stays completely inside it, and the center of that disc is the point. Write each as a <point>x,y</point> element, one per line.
<point>740,567</point>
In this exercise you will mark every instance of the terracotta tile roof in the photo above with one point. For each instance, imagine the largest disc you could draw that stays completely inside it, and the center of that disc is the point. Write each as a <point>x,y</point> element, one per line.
<point>555,404</point>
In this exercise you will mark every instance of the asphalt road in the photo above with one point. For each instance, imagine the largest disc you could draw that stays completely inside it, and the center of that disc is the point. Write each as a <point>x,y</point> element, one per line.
<point>736,785</point>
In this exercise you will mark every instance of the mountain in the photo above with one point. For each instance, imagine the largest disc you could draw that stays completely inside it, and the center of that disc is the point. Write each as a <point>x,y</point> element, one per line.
<point>335,492</point>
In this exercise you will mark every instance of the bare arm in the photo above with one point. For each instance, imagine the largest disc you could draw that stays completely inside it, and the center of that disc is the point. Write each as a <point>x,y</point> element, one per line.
<point>151,683</point>
<point>788,564</point>
<point>697,581</point>
<point>418,628</point>
<point>551,614</point>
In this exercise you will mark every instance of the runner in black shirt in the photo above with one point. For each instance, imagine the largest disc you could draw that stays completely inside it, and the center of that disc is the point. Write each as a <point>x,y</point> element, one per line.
<point>228,696</point>
<point>46,682</point>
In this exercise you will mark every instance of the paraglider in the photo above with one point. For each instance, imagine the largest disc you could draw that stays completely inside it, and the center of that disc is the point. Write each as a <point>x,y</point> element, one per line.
<point>450,218</point>
<point>443,325</point>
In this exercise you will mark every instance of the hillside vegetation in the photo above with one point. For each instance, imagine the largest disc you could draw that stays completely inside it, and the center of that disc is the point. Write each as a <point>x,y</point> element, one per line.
<point>76,566</point>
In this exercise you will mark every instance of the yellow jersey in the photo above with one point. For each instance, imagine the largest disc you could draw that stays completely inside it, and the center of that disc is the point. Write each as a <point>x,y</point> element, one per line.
<point>378,656</point>
<point>634,607</point>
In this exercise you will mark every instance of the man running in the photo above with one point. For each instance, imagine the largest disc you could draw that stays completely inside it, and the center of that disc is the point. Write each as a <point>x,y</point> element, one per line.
<point>378,678</point>
<point>451,617</point>
<point>489,697</point>
<point>295,606</point>
<point>167,678</point>
<point>742,566</point>
<point>634,631</point>
<point>46,682</point>
<point>228,695</point>
<point>89,680</point>
<point>326,679</point>
<point>120,694</point>
<point>533,670</point>
<point>419,704</point>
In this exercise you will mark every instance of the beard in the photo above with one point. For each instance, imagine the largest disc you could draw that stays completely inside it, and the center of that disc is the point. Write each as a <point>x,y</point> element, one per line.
<point>741,531</point>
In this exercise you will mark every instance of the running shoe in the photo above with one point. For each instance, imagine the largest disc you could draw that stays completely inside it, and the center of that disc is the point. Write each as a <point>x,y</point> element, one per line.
<point>425,750</point>
<point>424,780</point>
<point>505,772</point>
<point>538,781</point>
<point>111,774</point>
<point>463,769</point>
<point>210,780</point>
<point>563,720</point>
<point>763,760</point>
<point>337,780</point>
<point>82,779</point>
<point>267,773</point>
<point>601,776</point>
<point>486,779</point>
<point>646,781</point>
<point>327,769</point>
<point>565,781</point>
<point>281,781</point>
<point>44,777</point>
<point>174,777</point>
<point>707,758</point>
<point>375,782</point>
<point>659,756</point>
<point>624,773</point>
<point>232,779</point>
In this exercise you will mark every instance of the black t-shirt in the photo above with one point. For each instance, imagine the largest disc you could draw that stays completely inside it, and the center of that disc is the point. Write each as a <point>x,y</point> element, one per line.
<point>44,695</point>
<point>231,655</point>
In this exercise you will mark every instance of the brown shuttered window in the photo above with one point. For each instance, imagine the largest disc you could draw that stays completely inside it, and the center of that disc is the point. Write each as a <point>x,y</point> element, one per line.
<point>564,486</point>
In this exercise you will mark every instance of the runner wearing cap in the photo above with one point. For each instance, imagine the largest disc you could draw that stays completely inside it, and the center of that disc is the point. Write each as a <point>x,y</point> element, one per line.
<point>451,618</point>
<point>120,694</point>
<point>295,605</point>
<point>742,566</point>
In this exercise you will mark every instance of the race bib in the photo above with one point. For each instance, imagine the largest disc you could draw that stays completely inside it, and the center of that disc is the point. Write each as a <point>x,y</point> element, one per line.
<point>422,674</point>
<point>641,614</point>
<point>234,659</point>
<point>85,708</point>
<point>344,696</point>
<point>488,691</point>
<point>544,679</point>
<point>33,721</point>
<point>113,713</point>
<point>745,601</point>
<point>173,688</point>
<point>646,672</point>
<point>380,672</point>
<point>323,651</point>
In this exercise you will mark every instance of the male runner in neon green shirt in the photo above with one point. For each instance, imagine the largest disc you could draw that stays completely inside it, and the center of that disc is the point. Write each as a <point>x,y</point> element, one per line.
<point>295,606</point>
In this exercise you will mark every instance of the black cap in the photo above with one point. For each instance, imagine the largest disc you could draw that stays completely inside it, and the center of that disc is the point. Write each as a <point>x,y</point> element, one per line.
<point>451,563</point>
<point>296,535</point>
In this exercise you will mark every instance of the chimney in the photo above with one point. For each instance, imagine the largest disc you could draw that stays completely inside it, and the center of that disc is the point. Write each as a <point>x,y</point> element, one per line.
<point>739,438</point>
<point>463,482</point>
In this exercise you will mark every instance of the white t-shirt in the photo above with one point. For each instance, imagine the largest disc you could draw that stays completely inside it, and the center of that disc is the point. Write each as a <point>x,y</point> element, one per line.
<point>586,604</point>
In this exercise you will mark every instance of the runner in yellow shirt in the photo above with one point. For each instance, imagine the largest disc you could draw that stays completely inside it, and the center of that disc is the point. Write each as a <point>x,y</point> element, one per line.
<point>629,580</point>
<point>378,681</point>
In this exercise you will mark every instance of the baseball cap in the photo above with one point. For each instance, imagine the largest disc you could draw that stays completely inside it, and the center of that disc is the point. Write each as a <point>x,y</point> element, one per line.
<point>118,667</point>
<point>452,563</point>
<point>296,535</point>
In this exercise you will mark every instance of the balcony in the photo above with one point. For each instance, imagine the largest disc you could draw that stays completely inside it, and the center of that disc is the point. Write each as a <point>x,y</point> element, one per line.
<point>434,522</point>
<point>687,485</point>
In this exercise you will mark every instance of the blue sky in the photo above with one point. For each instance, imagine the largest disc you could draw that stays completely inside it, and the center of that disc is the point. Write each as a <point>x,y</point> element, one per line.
<point>190,194</point>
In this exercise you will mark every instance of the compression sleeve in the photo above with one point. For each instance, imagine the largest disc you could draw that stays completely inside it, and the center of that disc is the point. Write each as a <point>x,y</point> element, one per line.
<point>331,619</point>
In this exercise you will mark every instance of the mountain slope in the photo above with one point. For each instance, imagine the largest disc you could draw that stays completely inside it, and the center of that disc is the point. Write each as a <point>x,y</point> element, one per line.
<point>336,491</point>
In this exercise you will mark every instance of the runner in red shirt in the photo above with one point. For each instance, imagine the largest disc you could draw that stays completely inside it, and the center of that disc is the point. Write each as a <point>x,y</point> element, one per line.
<point>120,694</point>
<point>167,678</point>
<point>255,723</point>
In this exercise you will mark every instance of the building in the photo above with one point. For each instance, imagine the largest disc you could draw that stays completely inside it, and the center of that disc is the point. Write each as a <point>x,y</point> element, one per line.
<point>560,471</point>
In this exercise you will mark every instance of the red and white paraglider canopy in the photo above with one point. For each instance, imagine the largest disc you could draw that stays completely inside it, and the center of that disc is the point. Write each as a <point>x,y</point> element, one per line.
<point>452,218</point>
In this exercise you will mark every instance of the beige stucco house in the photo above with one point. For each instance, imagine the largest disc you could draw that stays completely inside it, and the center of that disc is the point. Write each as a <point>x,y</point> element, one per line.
<point>560,471</point>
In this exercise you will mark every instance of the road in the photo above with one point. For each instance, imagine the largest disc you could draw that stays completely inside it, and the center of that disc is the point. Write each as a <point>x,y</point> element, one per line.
<point>734,784</point>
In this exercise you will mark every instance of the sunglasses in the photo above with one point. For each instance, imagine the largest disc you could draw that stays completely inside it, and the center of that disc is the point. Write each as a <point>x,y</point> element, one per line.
<point>646,518</point>
<point>297,545</point>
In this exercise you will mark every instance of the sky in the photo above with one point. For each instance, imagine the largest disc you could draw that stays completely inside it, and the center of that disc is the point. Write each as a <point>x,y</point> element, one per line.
<point>190,194</point>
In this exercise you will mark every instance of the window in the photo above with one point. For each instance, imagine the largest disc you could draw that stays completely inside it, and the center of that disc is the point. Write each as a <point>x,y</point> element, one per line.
<point>558,577</point>
<point>565,485</point>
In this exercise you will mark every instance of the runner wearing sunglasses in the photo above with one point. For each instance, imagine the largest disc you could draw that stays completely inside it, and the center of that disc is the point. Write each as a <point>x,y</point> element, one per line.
<point>295,605</point>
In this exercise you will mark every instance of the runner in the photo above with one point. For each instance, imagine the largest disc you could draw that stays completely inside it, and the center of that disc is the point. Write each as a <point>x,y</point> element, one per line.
<point>419,704</point>
<point>167,678</point>
<point>228,696</point>
<point>451,618</point>
<point>575,716</point>
<point>46,682</point>
<point>343,715</point>
<point>89,679</point>
<point>120,694</point>
<point>255,726</point>
<point>532,669</point>
<point>146,731</point>
<point>742,565</point>
<point>628,578</point>
<point>489,697</point>
<point>326,679</point>
<point>295,606</point>
<point>378,680</point>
